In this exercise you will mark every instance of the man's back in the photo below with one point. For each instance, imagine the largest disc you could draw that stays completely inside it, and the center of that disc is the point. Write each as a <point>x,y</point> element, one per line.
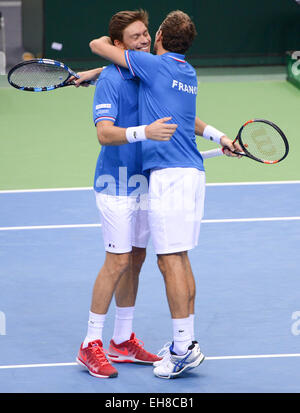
<point>168,87</point>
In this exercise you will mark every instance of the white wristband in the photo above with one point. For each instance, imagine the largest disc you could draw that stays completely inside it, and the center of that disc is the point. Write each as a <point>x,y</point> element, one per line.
<point>212,134</point>
<point>136,134</point>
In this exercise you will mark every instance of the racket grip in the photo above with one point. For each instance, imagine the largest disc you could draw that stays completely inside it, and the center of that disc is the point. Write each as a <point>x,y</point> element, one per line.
<point>89,82</point>
<point>212,153</point>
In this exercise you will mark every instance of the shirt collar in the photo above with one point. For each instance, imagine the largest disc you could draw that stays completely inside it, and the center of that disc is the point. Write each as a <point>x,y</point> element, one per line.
<point>124,73</point>
<point>176,56</point>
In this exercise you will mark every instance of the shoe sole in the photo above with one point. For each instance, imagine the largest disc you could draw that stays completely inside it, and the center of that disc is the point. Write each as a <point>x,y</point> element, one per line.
<point>81,363</point>
<point>185,369</point>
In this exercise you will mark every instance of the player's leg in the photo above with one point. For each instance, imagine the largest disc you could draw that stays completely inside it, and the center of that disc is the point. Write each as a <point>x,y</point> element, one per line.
<point>175,227</point>
<point>91,353</point>
<point>175,213</point>
<point>127,288</point>
<point>192,291</point>
<point>196,216</point>
<point>115,218</point>
<point>115,266</point>
<point>125,297</point>
<point>184,353</point>
<point>173,269</point>
<point>192,294</point>
<point>126,291</point>
<point>124,346</point>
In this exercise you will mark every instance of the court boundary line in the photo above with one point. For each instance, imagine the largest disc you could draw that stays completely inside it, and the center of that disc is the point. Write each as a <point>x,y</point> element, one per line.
<point>63,226</point>
<point>242,357</point>
<point>90,188</point>
<point>96,225</point>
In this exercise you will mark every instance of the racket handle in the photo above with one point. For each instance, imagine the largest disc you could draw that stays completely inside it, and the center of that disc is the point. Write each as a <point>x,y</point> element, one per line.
<point>89,82</point>
<point>212,153</point>
<point>86,82</point>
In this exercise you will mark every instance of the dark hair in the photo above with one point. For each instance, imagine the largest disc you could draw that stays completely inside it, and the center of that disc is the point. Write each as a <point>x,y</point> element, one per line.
<point>122,19</point>
<point>178,32</point>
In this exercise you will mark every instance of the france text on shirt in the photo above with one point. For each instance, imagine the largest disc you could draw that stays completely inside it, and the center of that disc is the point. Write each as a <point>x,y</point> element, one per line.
<point>183,87</point>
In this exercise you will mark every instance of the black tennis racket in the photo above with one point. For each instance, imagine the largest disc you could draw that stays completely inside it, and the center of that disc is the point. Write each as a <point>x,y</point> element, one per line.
<point>260,140</point>
<point>41,75</point>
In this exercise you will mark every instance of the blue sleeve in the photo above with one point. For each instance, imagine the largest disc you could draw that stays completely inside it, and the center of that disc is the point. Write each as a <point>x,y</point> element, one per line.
<point>105,105</point>
<point>142,64</point>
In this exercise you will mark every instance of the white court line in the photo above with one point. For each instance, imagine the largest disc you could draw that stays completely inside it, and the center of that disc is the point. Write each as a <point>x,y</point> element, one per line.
<point>50,227</point>
<point>25,366</point>
<point>216,221</point>
<point>251,356</point>
<point>205,221</point>
<point>253,183</point>
<point>89,188</point>
<point>20,191</point>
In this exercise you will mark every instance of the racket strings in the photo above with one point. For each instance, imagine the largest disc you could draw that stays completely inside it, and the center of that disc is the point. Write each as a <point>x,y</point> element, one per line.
<point>263,141</point>
<point>38,75</point>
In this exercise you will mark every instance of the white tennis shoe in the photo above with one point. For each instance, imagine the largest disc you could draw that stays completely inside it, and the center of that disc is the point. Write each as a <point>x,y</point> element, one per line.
<point>164,351</point>
<point>172,365</point>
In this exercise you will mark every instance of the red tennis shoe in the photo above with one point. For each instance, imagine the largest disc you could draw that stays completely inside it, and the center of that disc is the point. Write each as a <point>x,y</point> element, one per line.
<point>93,358</point>
<point>130,351</point>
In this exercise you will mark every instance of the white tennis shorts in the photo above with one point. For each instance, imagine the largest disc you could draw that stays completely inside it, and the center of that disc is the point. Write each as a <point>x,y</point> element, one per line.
<point>124,222</point>
<point>176,207</point>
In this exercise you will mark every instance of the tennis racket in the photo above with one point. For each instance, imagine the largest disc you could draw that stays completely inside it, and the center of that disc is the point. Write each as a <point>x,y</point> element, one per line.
<point>41,75</point>
<point>261,140</point>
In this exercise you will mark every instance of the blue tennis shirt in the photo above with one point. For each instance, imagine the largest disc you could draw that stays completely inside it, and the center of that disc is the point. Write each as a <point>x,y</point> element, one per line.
<point>116,99</point>
<point>168,87</point>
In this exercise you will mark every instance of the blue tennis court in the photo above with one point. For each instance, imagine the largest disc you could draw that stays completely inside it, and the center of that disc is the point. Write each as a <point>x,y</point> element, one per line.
<point>247,305</point>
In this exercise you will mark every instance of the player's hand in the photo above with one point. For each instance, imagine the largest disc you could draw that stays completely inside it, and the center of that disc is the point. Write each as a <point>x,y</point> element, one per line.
<point>229,147</point>
<point>160,130</point>
<point>86,76</point>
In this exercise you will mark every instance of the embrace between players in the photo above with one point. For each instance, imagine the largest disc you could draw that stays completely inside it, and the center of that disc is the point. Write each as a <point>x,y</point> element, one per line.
<point>145,114</point>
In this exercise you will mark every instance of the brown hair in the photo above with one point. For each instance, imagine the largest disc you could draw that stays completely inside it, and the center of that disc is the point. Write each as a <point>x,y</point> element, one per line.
<point>178,32</point>
<point>122,19</point>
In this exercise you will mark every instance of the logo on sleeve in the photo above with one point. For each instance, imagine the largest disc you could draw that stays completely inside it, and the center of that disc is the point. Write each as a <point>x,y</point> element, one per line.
<point>103,106</point>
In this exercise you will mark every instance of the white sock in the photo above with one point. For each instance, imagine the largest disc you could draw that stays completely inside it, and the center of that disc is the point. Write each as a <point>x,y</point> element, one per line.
<point>123,324</point>
<point>181,335</point>
<point>95,327</point>
<point>192,329</point>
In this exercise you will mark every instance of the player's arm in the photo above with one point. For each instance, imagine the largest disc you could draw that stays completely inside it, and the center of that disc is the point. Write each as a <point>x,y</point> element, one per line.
<point>109,134</point>
<point>104,47</point>
<point>141,64</point>
<point>86,76</point>
<point>212,134</point>
<point>199,126</point>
